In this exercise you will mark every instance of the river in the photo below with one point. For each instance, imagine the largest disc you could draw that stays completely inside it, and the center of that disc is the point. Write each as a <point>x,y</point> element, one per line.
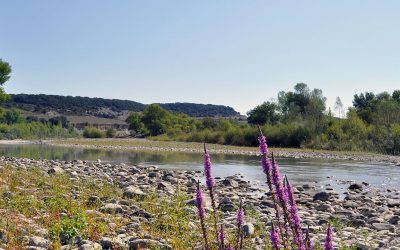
<point>329,173</point>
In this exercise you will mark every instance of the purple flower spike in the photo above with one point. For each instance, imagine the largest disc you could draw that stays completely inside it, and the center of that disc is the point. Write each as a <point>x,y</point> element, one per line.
<point>274,238</point>
<point>229,248</point>
<point>199,202</point>
<point>240,222</point>
<point>207,169</point>
<point>240,216</point>
<point>262,142</point>
<point>296,221</point>
<point>266,165</point>
<point>202,213</point>
<point>329,239</point>
<point>276,179</point>
<point>222,236</point>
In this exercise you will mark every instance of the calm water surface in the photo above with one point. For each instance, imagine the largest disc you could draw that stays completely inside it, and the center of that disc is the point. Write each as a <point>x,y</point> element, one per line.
<point>299,171</point>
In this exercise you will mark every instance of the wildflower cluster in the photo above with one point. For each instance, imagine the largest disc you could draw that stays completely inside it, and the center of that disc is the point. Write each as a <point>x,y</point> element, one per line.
<point>286,231</point>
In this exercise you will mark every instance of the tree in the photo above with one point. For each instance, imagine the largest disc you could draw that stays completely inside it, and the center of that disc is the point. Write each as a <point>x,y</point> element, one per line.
<point>5,71</point>
<point>12,116</point>
<point>302,103</point>
<point>156,119</point>
<point>263,114</point>
<point>339,106</point>
<point>59,120</point>
<point>135,122</point>
<point>396,95</point>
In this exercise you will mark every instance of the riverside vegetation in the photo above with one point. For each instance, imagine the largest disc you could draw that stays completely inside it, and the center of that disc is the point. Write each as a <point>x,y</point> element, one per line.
<point>298,119</point>
<point>91,205</point>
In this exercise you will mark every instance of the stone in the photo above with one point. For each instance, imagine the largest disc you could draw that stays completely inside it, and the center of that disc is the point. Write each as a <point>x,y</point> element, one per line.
<point>325,208</point>
<point>36,241</point>
<point>358,223</point>
<point>112,208</point>
<point>355,186</point>
<point>93,200</point>
<point>147,244</point>
<point>227,207</point>
<point>248,229</point>
<point>321,196</point>
<point>230,183</point>
<point>383,226</point>
<point>132,192</point>
<point>394,220</point>
<point>90,246</point>
<point>393,203</point>
<point>55,170</point>
<point>166,187</point>
<point>153,175</point>
<point>106,243</point>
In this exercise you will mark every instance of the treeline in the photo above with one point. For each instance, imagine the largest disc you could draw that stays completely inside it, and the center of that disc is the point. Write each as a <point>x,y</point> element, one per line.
<point>14,126</point>
<point>298,118</point>
<point>108,108</point>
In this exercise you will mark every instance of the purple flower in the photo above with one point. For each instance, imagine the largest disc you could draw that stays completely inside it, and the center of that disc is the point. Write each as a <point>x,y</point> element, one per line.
<point>295,218</point>
<point>222,236</point>
<point>240,216</point>
<point>202,213</point>
<point>240,222</point>
<point>229,248</point>
<point>276,180</point>
<point>199,202</point>
<point>207,169</point>
<point>262,142</point>
<point>329,239</point>
<point>274,238</point>
<point>266,164</point>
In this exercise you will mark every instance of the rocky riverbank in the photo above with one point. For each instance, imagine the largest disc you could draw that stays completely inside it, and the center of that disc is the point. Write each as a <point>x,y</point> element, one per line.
<point>366,217</point>
<point>146,145</point>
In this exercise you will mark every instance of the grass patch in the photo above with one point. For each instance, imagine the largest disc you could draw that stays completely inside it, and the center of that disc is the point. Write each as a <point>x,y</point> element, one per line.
<point>33,201</point>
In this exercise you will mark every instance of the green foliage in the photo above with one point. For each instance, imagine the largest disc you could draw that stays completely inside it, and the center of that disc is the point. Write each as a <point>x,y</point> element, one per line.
<point>92,132</point>
<point>111,132</point>
<point>265,113</point>
<point>12,116</point>
<point>59,120</point>
<point>135,122</point>
<point>34,130</point>
<point>69,226</point>
<point>5,71</point>
<point>156,119</point>
<point>299,119</point>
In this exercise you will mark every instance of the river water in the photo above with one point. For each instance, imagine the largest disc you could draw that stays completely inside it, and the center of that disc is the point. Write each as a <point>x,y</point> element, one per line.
<point>334,173</point>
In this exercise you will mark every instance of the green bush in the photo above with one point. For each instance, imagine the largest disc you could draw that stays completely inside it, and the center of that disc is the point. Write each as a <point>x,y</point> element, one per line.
<point>111,132</point>
<point>92,132</point>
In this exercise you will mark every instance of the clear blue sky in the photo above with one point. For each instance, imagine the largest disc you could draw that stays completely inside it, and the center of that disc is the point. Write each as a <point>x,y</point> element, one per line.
<point>236,53</point>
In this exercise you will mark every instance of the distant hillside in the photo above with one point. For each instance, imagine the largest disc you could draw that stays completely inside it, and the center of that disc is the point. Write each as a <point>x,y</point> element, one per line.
<point>108,108</point>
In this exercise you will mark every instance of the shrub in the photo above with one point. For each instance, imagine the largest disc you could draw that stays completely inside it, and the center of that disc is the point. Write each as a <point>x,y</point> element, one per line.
<point>92,132</point>
<point>111,132</point>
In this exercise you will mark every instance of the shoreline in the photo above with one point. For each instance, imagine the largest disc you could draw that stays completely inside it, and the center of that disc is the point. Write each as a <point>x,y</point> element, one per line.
<point>189,147</point>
